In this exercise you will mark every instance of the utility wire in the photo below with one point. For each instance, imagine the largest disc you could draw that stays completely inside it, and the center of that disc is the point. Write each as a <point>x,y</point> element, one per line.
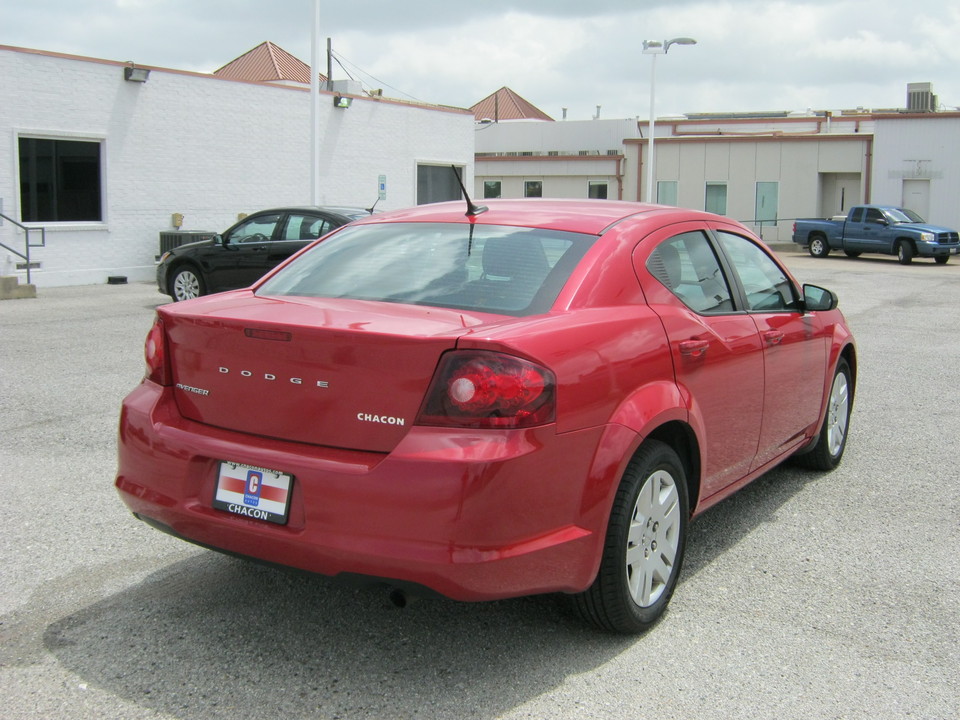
<point>341,59</point>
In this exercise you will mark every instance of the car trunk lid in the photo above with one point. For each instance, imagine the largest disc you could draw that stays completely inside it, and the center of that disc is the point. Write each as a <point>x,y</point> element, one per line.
<point>342,373</point>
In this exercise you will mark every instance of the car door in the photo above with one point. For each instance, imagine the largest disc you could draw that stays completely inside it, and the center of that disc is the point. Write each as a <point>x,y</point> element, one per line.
<point>299,230</point>
<point>794,344</point>
<point>716,350</point>
<point>244,248</point>
<point>869,235</point>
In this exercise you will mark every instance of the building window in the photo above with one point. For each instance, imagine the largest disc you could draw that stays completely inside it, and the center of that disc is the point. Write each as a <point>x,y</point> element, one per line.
<point>60,180</point>
<point>491,188</point>
<point>667,192</point>
<point>597,190</point>
<point>716,198</point>
<point>533,188</point>
<point>437,183</point>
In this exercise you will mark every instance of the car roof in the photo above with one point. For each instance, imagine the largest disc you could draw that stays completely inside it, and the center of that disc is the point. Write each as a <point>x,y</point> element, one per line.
<point>583,216</point>
<point>329,209</point>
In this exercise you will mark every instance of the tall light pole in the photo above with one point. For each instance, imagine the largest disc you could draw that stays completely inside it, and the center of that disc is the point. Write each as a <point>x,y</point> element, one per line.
<point>654,48</point>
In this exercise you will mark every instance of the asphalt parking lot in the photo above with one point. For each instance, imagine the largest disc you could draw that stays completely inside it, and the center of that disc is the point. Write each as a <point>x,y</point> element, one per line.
<point>803,596</point>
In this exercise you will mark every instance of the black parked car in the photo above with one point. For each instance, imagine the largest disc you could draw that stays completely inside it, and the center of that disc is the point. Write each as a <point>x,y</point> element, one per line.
<point>245,252</point>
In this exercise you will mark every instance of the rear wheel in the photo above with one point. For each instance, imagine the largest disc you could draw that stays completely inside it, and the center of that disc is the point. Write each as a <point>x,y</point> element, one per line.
<point>644,546</point>
<point>186,284</point>
<point>818,246</point>
<point>941,259</point>
<point>828,451</point>
<point>904,252</point>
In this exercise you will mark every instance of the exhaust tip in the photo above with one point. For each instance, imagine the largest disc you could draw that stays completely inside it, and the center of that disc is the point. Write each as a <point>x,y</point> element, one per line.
<point>398,597</point>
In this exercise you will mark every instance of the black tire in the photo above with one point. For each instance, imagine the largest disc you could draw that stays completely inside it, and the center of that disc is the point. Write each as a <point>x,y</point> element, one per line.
<point>852,253</point>
<point>186,283</point>
<point>832,441</point>
<point>818,246</point>
<point>904,252</point>
<point>644,547</point>
<point>941,259</point>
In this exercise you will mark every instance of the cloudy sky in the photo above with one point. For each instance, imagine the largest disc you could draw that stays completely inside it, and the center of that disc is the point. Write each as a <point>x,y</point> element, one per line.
<point>750,54</point>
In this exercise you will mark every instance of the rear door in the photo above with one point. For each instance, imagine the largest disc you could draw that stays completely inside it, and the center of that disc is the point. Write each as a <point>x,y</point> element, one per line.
<point>716,349</point>
<point>297,230</point>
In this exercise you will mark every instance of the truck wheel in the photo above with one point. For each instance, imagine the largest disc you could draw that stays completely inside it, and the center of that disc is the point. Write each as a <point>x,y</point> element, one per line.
<point>852,253</point>
<point>818,246</point>
<point>941,259</point>
<point>904,252</point>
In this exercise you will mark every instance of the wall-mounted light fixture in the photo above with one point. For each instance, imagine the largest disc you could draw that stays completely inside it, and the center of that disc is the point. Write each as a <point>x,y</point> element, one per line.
<point>342,102</point>
<point>132,73</point>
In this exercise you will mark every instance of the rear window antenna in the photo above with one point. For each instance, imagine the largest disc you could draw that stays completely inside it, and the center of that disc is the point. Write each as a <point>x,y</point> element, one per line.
<point>472,209</point>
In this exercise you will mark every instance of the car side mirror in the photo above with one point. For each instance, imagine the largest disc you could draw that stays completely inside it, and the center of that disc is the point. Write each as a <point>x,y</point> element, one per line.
<point>818,299</point>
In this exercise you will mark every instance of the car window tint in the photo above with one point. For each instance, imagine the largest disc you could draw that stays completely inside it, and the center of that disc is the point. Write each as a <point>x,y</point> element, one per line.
<point>306,227</point>
<point>766,285</point>
<point>687,265</point>
<point>256,229</point>
<point>507,270</point>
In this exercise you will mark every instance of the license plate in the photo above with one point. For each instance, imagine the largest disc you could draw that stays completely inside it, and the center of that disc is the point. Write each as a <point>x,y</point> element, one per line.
<point>253,492</point>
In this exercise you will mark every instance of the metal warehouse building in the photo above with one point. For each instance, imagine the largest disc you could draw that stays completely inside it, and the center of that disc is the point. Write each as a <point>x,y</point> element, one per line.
<point>764,169</point>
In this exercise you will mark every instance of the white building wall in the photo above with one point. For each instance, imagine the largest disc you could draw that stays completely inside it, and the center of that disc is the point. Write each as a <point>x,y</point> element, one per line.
<point>204,147</point>
<point>921,148</point>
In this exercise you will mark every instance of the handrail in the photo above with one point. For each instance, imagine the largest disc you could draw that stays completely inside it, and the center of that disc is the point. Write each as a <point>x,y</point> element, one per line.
<point>27,244</point>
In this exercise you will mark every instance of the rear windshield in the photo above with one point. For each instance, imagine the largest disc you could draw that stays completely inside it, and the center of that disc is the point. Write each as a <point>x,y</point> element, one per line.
<point>488,268</point>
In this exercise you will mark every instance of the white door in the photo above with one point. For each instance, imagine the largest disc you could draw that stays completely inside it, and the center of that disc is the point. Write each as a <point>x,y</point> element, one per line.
<point>916,197</point>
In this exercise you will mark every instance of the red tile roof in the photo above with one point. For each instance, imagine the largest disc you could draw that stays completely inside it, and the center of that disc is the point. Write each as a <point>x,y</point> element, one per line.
<point>505,104</point>
<point>267,63</point>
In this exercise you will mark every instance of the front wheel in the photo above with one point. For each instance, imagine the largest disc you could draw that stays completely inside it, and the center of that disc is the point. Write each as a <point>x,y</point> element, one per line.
<point>818,246</point>
<point>186,284</point>
<point>941,259</point>
<point>904,252</point>
<point>832,441</point>
<point>643,550</point>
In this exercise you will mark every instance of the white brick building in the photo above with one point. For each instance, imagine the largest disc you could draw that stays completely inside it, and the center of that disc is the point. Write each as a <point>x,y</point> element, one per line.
<point>128,156</point>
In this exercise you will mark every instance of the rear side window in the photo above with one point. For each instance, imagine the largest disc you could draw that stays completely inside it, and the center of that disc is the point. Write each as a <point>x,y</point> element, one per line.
<point>488,268</point>
<point>688,267</point>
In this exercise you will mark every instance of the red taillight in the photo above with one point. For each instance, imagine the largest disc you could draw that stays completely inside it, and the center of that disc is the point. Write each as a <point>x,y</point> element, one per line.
<point>155,353</point>
<point>481,389</point>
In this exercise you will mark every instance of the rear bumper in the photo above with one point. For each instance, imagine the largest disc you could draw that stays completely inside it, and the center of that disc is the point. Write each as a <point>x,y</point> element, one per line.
<point>470,515</point>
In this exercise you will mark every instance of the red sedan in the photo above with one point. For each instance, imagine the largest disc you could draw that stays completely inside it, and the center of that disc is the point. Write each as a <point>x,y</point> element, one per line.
<point>530,398</point>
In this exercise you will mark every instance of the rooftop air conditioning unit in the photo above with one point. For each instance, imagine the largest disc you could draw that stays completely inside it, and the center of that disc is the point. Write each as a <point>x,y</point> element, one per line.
<point>920,97</point>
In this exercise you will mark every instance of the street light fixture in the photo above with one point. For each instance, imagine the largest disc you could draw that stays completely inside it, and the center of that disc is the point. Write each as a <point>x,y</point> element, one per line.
<point>654,48</point>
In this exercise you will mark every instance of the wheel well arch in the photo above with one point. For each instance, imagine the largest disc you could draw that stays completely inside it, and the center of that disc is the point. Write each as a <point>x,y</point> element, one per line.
<point>907,240</point>
<point>681,438</point>
<point>849,354</point>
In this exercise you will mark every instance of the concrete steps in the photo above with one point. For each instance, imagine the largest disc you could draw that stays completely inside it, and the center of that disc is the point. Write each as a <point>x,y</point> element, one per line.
<point>11,289</point>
